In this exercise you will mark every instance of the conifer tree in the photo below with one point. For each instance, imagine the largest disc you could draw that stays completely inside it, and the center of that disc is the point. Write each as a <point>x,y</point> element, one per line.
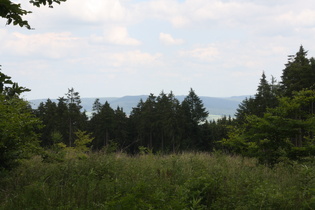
<point>74,114</point>
<point>195,108</point>
<point>148,120</point>
<point>299,73</point>
<point>121,127</point>
<point>167,121</point>
<point>192,114</point>
<point>137,127</point>
<point>283,125</point>
<point>96,106</point>
<point>48,114</point>
<point>265,97</point>
<point>62,120</point>
<point>102,124</point>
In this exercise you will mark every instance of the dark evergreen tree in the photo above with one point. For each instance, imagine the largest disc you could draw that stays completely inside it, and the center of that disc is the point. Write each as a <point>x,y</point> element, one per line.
<point>102,124</point>
<point>265,97</point>
<point>195,109</point>
<point>215,131</point>
<point>163,124</point>
<point>286,131</point>
<point>167,122</point>
<point>156,123</point>
<point>279,121</point>
<point>299,73</point>
<point>96,106</point>
<point>121,131</point>
<point>193,113</point>
<point>136,127</point>
<point>48,114</point>
<point>245,108</point>
<point>75,117</point>
<point>147,123</point>
<point>62,120</point>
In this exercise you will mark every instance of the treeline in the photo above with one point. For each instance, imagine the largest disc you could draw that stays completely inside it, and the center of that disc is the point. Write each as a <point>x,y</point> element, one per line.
<point>159,124</point>
<point>276,124</point>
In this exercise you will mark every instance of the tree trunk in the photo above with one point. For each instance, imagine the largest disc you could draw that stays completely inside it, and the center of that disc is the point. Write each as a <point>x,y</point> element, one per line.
<point>162,143</point>
<point>106,137</point>
<point>150,142</point>
<point>70,133</point>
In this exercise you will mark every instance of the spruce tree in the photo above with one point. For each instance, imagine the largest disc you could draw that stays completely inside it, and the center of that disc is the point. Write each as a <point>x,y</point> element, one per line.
<point>299,73</point>
<point>48,114</point>
<point>74,113</point>
<point>148,120</point>
<point>167,121</point>
<point>121,127</point>
<point>196,110</point>
<point>192,114</point>
<point>102,125</point>
<point>265,97</point>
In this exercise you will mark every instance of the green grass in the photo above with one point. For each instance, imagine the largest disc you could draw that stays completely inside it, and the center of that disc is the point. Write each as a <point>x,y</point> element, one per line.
<point>182,181</point>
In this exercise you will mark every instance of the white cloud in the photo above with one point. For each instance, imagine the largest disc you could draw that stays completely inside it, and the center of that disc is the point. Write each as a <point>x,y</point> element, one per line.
<point>180,21</point>
<point>119,35</point>
<point>96,10</point>
<point>133,58</point>
<point>82,12</point>
<point>219,40</point>
<point>49,45</point>
<point>169,40</point>
<point>252,16</point>
<point>201,53</point>
<point>183,14</point>
<point>301,18</point>
<point>167,10</point>
<point>244,13</point>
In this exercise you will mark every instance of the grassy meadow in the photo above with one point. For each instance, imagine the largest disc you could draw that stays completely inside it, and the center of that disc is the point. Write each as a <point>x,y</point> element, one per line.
<point>179,181</point>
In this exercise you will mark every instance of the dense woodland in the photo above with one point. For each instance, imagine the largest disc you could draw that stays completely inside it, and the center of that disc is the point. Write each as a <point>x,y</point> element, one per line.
<point>165,154</point>
<point>276,123</point>
<point>160,123</point>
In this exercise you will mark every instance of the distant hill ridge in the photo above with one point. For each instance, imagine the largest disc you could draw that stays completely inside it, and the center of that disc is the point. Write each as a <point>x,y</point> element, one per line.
<point>215,106</point>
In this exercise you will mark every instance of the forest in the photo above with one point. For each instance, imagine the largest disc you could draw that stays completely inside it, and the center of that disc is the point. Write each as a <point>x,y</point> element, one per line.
<point>165,154</point>
<point>276,123</point>
<point>271,136</point>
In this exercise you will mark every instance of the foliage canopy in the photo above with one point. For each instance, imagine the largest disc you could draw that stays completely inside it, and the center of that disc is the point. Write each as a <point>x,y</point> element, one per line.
<point>14,13</point>
<point>18,126</point>
<point>285,127</point>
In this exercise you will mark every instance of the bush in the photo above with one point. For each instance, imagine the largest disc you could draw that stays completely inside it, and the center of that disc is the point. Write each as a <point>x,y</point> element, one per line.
<point>18,139</point>
<point>184,181</point>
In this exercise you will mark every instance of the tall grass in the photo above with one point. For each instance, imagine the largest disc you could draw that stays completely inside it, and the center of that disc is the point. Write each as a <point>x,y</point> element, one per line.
<point>182,181</point>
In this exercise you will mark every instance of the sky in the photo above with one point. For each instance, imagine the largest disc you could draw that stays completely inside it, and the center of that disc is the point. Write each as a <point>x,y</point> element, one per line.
<point>114,48</point>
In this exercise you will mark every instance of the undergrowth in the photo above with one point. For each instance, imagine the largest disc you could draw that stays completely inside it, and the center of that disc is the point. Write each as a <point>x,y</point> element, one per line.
<point>181,181</point>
